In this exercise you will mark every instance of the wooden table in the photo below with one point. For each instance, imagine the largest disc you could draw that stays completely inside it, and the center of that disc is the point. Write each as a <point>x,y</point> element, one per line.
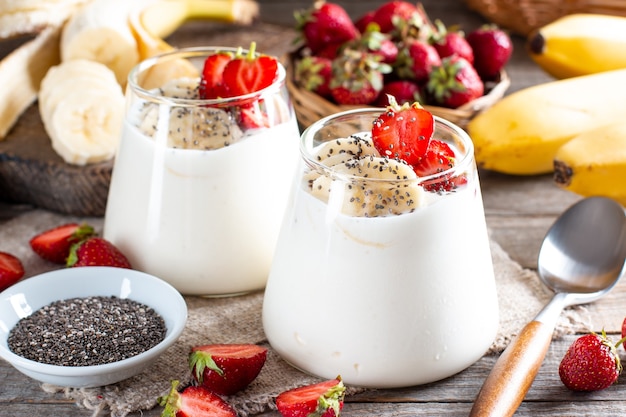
<point>519,211</point>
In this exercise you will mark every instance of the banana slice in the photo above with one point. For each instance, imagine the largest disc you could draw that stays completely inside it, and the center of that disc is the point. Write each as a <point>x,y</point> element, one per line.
<point>373,186</point>
<point>82,109</point>
<point>19,17</point>
<point>99,32</point>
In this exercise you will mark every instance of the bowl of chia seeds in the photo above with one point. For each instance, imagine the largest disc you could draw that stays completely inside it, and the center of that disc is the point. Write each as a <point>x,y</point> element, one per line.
<point>88,326</point>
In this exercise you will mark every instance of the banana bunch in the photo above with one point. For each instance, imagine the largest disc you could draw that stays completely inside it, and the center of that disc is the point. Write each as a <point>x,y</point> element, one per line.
<point>114,33</point>
<point>580,44</point>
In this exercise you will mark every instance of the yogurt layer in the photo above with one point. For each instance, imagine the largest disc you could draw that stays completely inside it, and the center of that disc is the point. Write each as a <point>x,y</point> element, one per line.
<point>384,301</point>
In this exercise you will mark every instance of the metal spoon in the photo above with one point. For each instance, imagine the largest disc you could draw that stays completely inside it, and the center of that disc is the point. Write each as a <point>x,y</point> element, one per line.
<point>581,258</point>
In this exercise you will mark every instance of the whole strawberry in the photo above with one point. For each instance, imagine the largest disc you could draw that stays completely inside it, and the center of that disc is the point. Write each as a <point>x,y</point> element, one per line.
<point>226,368</point>
<point>324,399</point>
<point>54,244</point>
<point>451,41</point>
<point>325,23</point>
<point>357,78</point>
<point>313,73</point>
<point>454,83</point>
<point>11,270</point>
<point>96,251</point>
<point>492,50</point>
<point>416,60</point>
<point>404,91</point>
<point>591,363</point>
<point>391,12</point>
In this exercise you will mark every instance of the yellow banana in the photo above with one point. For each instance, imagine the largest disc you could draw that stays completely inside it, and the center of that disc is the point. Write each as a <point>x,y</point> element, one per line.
<point>580,44</point>
<point>594,163</point>
<point>521,133</point>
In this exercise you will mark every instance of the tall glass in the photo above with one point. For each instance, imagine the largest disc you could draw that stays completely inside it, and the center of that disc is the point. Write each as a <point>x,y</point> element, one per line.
<point>386,282</point>
<point>199,187</point>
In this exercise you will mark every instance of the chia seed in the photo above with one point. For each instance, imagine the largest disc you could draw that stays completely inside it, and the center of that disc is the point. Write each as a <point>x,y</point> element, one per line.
<point>87,331</point>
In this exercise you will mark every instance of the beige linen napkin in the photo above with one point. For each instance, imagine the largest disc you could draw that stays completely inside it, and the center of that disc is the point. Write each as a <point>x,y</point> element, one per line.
<point>238,320</point>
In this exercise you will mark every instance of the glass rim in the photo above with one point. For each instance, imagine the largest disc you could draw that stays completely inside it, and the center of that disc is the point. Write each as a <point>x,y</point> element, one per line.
<point>195,52</point>
<point>463,163</point>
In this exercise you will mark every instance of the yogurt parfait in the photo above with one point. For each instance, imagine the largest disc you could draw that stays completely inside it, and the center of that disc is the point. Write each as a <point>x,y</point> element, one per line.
<point>382,272</point>
<point>204,168</point>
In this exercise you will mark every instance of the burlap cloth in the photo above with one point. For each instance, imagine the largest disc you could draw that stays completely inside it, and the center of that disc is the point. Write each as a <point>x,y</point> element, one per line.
<point>238,320</point>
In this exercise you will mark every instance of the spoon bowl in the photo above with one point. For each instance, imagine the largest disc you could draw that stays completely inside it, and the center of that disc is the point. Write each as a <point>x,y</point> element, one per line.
<point>582,258</point>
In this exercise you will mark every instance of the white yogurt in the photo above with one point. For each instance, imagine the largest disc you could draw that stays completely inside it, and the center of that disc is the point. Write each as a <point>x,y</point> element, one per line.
<point>205,221</point>
<point>383,301</point>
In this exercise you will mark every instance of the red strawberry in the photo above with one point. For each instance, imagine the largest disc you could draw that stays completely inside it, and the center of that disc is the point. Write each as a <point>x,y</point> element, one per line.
<point>454,83</point>
<point>624,329</point>
<point>591,363</point>
<point>227,368</point>
<point>450,41</point>
<point>212,82</point>
<point>11,270</point>
<point>391,12</point>
<point>417,60</point>
<point>379,44</point>
<point>325,23</point>
<point>357,78</point>
<point>439,157</point>
<point>404,91</point>
<point>403,132</point>
<point>250,73</point>
<point>194,401</point>
<point>313,73</point>
<point>363,22</point>
<point>96,251</point>
<point>54,244</point>
<point>324,399</point>
<point>492,49</point>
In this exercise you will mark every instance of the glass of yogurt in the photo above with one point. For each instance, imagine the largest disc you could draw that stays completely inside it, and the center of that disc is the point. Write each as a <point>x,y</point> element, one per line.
<point>196,195</point>
<point>380,276</point>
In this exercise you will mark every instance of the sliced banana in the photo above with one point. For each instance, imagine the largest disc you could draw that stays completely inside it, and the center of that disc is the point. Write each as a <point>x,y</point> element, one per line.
<point>99,31</point>
<point>366,184</point>
<point>82,109</point>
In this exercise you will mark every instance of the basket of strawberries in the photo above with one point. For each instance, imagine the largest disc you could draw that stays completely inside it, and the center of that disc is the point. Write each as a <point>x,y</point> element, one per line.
<point>394,50</point>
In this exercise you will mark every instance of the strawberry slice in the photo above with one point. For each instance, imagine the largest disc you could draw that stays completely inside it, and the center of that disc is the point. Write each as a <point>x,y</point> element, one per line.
<point>250,73</point>
<point>212,79</point>
<point>96,251</point>
<point>194,401</point>
<point>226,368</point>
<point>54,244</point>
<point>403,132</point>
<point>11,270</point>
<point>438,157</point>
<point>324,399</point>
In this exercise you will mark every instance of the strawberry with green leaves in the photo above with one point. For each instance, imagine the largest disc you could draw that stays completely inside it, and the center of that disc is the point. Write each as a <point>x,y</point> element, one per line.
<point>591,363</point>
<point>194,401</point>
<point>11,270</point>
<point>313,73</point>
<point>96,251</point>
<point>357,77</point>
<point>325,23</point>
<point>54,244</point>
<point>454,83</point>
<point>324,399</point>
<point>226,368</point>
<point>492,49</point>
<point>451,41</point>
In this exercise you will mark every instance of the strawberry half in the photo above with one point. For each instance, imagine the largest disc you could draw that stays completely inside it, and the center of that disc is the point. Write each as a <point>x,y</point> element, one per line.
<point>54,244</point>
<point>96,251</point>
<point>226,368</point>
<point>591,363</point>
<point>194,401</point>
<point>403,132</point>
<point>11,270</point>
<point>250,73</point>
<point>324,399</point>
<point>212,79</point>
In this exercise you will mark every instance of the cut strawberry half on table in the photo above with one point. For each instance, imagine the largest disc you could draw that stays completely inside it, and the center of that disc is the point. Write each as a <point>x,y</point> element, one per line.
<point>226,368</point>
<point>194,401</point>
<point>403,132</point>
<point>54,244</point>
<point>11,270</point>
<point>324,399</point>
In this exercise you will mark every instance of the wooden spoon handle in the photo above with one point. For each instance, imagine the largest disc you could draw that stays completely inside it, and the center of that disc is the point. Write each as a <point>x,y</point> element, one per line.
<point>514,372</point>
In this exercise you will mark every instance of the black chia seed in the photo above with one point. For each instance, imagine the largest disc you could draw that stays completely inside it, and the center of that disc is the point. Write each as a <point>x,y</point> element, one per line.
<point>87,331</point>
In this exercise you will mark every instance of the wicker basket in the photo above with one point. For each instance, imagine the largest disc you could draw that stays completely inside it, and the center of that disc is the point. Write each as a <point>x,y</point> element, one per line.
<point>523,16</point>
<point>311,107</point>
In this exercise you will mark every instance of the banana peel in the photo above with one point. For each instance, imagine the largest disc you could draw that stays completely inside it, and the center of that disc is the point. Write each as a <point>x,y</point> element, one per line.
<point>594,163</point>
<point>579,44</point>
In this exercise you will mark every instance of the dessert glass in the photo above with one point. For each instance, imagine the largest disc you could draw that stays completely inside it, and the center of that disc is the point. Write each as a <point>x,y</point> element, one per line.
<point>195,198</point>
<point>384,301</point>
